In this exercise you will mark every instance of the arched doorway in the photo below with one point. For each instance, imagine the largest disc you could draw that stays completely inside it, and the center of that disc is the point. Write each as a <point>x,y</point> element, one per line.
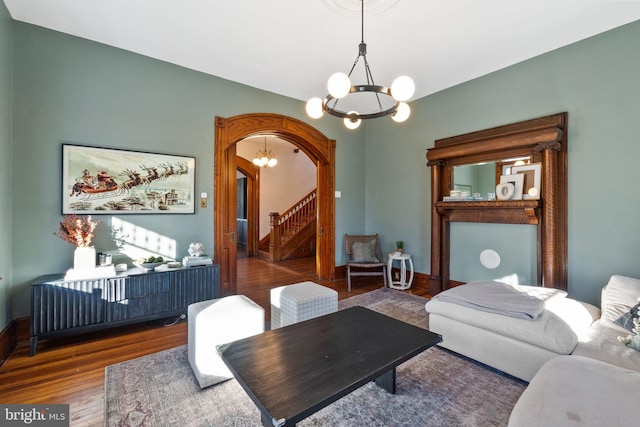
<point>320,149</point>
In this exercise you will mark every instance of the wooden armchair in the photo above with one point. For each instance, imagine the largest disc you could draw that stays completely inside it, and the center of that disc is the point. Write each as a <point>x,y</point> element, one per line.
<point>363,257</point>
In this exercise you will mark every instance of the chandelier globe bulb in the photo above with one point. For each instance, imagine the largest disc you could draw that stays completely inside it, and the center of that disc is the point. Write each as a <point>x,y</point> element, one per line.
<point>339,85</point>
<point>314,108</point>
<point>403,88</point>
<point>272,162</point>
<point>402,113</point>
<point>352,122</point>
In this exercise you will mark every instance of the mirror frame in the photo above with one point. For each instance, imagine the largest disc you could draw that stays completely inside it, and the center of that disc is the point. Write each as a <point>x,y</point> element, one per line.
<point>545,140</point>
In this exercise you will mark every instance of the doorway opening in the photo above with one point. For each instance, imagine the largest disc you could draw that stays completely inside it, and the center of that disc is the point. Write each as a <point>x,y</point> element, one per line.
<point>281,217</point>
<point>321,151</point>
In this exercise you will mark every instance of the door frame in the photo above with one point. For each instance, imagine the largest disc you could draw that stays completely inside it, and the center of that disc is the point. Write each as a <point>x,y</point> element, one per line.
<point>252,173</point>
<point>321,151</point>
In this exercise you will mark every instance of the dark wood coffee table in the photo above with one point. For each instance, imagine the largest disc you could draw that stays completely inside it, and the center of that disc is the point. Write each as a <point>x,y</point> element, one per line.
<point>293,372</point>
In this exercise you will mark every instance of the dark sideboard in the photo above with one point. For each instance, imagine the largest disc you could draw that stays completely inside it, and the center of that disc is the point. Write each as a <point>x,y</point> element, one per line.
<point>63,307</point>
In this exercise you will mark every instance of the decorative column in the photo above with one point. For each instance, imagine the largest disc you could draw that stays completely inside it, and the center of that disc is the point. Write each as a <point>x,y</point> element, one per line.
<point>438,261</point>
<point>551,226</point>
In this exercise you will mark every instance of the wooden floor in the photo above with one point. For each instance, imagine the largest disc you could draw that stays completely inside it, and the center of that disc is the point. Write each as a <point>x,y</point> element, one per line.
<point>71,370</point>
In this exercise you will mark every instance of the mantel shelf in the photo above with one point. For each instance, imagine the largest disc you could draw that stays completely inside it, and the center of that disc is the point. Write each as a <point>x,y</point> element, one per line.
<point>507,211</point>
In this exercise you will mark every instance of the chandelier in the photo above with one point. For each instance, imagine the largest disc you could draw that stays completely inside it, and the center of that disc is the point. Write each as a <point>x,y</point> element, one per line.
<point>265,158</point>
<point>340,86</point>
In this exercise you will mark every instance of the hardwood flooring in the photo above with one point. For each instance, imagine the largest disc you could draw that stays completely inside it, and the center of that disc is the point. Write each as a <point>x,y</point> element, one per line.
<point>71,369</point>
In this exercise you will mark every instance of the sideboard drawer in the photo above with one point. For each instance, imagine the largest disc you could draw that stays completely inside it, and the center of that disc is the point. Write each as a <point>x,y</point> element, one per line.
<point>137,296</point>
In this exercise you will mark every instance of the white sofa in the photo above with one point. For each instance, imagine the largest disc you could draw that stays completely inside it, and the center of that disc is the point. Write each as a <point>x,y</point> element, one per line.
<point>579,373</point>
<point>599,383</point>
<point>513,345</point>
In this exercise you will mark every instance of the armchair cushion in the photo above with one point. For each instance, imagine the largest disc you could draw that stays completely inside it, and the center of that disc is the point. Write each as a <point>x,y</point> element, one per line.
<point>364,252</point>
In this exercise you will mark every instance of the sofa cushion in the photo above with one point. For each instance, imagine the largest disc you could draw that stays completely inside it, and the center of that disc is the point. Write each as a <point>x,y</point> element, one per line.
<point>619,295</point>
<point>602,343</point>
<point>626,320</point>
<point>557,328</point>
<point>577,391</point>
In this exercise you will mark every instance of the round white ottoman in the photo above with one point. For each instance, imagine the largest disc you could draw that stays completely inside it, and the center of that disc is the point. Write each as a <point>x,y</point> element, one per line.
<point>216,322</point>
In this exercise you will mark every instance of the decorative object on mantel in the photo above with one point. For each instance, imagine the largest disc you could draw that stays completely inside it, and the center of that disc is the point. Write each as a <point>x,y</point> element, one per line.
<point>196,256</point>
<point>532,179</point>
<point>505,190</point>
<point>78,231</point>
<point>517,180</point>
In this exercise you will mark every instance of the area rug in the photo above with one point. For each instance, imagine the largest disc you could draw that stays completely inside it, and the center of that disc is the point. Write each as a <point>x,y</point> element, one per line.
<point>435,388</point>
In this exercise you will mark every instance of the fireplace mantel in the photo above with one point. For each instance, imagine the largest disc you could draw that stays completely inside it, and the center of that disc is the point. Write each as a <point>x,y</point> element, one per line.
<point>544,141</point>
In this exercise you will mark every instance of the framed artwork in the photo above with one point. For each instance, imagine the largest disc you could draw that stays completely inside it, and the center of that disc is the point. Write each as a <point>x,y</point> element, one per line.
<point>113,181</point>
<point>517,181</point>
<point>531,185</point>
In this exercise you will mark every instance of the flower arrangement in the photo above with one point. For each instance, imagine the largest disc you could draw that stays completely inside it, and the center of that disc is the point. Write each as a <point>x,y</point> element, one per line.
<point>77,230</point>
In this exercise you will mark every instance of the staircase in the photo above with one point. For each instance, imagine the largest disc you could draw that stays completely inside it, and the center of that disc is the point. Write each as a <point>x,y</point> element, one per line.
<point>293,233</point>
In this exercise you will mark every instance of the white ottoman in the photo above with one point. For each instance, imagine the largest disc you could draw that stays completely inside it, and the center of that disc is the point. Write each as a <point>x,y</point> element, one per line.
<point>301,301</point>
<point>216,322</point>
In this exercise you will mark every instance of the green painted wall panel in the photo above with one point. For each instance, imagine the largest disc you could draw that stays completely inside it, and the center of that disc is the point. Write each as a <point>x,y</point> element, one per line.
<point>596,82</point>
<point>68,89</point>
<point>6,164</point>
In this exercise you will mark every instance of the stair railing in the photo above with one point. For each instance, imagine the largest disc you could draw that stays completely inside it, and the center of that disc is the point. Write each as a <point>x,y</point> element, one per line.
<point>285,226</point>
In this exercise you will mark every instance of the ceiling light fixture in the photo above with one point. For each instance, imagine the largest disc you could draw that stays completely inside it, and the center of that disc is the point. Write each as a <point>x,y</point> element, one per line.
<point>339,87</point>
<point>265,157</point>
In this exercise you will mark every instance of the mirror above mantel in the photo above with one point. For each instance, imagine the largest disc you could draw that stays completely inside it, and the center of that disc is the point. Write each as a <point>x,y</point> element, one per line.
<point>483,177</point>
<point>540,141</point>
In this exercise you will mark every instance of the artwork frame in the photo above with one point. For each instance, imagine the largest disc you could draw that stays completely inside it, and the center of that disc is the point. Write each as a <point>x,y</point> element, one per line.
<point>107,181</point>
<point>517,180</point>
<point>532,179</point>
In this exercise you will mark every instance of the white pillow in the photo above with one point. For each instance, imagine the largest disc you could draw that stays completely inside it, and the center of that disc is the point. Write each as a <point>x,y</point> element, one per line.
<point>620,294</point>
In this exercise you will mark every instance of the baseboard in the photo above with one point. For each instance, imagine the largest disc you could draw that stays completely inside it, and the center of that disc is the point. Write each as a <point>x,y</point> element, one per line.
<point>17,330</point>
<point>420,280</point>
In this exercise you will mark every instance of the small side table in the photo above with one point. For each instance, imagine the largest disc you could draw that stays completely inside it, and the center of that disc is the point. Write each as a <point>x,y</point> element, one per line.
<point>403,283</point>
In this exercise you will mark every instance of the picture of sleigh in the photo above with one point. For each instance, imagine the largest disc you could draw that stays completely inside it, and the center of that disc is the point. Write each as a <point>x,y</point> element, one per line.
<point>113,181</point>
<point>87,185</point>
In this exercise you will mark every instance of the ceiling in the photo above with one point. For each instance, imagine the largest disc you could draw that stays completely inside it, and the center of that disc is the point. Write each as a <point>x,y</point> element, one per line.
<point>291,47</point>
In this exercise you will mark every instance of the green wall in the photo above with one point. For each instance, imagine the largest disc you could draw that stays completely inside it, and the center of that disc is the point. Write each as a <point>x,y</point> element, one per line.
<point>596,81</point>
<point>68,89</point>
<point>6,242</point>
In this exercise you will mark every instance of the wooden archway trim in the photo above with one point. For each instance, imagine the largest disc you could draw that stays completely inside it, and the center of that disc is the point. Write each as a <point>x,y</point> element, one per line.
<point>319,148</point>
<point>307,138</point>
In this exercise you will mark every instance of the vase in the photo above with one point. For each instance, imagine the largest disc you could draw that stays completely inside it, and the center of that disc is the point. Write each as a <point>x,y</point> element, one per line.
<point>84,258</point>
